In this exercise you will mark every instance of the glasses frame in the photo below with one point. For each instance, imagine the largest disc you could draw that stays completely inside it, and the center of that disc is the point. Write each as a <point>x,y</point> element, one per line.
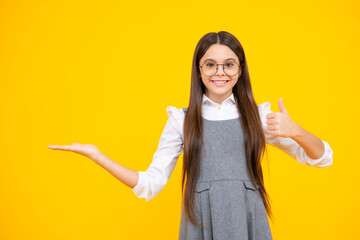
<point>217,67</point>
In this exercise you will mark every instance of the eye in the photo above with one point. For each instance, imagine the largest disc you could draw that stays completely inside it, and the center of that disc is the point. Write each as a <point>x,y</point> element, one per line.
<point>229,64</point>
<point>209,64</point>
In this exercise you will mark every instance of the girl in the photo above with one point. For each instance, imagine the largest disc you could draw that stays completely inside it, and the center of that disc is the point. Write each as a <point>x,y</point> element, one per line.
<point>223,134</point>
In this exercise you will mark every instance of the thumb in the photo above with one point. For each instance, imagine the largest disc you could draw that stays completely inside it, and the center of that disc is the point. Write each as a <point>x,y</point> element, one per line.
<point>281,106</point>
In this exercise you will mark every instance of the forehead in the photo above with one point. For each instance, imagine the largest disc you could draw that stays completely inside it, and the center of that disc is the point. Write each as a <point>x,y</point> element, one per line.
<point>219,53</point>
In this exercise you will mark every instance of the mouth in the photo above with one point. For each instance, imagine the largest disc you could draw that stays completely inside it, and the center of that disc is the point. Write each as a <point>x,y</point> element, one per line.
<point>220,83</point>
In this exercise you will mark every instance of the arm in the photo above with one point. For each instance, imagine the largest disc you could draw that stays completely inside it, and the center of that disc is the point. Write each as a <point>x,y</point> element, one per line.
<point>145,184</point>
<point>311,144</point>
<point>283,133</point>
<point>125,175</point>
<point>293,149</point>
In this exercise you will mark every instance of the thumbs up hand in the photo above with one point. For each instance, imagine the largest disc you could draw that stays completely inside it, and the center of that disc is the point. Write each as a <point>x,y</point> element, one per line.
<point>280,124</point>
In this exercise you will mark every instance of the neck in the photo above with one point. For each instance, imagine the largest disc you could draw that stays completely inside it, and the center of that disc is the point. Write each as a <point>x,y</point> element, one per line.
<point>218,98</point>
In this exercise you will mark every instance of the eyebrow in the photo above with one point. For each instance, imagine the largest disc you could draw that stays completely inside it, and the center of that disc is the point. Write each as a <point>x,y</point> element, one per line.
<point>215,61</point>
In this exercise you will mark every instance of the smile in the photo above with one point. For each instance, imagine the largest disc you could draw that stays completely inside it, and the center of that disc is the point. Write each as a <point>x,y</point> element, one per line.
<point>220,83</point>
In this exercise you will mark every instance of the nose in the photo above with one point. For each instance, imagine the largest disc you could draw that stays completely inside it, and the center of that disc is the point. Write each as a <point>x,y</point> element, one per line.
<point>220,70</point>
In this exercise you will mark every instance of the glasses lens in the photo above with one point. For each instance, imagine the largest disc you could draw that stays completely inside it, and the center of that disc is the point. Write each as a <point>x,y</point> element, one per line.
<point>209,68</point>
<point>231,68</point>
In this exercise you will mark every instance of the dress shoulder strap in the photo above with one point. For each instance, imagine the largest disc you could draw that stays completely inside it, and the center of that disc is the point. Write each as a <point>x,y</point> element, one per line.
<point>185,109</point>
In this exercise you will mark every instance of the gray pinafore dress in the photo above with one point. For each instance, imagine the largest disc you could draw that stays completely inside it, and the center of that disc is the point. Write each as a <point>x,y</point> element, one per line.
<point>226,201</point>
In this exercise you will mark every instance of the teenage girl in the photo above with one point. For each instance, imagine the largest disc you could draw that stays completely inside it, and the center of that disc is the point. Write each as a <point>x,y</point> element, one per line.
<point>223,134</point>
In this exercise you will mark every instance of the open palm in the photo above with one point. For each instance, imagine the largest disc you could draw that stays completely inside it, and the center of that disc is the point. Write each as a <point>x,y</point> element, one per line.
<point>87,150</point>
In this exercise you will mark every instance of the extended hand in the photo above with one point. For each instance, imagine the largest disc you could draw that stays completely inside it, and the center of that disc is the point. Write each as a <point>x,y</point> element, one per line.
<point>87,150</point>
<point>280,124</point>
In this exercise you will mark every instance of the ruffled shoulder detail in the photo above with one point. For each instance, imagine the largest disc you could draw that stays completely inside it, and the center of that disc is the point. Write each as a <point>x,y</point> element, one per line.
<point>177,113</point>
<point>264,109</point>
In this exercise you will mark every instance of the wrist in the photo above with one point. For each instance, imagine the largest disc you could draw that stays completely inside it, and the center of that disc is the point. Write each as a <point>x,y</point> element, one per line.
<point>298,132</point>
<point>96,156</point>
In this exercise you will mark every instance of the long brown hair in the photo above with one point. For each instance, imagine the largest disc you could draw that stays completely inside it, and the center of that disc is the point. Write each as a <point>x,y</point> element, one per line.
<point>254,137</point>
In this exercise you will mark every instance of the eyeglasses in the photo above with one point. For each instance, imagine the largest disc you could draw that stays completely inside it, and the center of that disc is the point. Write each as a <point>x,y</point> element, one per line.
<point>210,68</point>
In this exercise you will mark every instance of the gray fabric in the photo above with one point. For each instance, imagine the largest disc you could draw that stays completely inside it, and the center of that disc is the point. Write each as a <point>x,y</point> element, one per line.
<point>226,201</point>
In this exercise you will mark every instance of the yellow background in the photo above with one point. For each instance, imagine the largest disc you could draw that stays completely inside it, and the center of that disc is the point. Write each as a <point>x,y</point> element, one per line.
<point>69,73</point>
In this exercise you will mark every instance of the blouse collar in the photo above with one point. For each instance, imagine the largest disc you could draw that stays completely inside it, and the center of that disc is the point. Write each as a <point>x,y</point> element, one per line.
<point>205,98</point>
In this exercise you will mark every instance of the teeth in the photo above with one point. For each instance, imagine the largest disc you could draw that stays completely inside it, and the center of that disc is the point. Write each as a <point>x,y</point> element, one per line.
<point>220,81</point>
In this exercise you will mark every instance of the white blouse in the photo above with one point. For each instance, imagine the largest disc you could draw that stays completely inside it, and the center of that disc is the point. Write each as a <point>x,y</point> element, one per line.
<point>154,179</point>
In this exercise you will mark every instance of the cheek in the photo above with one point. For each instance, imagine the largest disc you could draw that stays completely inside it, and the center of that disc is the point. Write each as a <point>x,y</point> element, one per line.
<point>205,80</point>
<point>234,81</point>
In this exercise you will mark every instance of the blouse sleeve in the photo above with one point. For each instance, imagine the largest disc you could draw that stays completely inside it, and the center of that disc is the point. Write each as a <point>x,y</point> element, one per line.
<point>154,179</point>
<point>290,146</point>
